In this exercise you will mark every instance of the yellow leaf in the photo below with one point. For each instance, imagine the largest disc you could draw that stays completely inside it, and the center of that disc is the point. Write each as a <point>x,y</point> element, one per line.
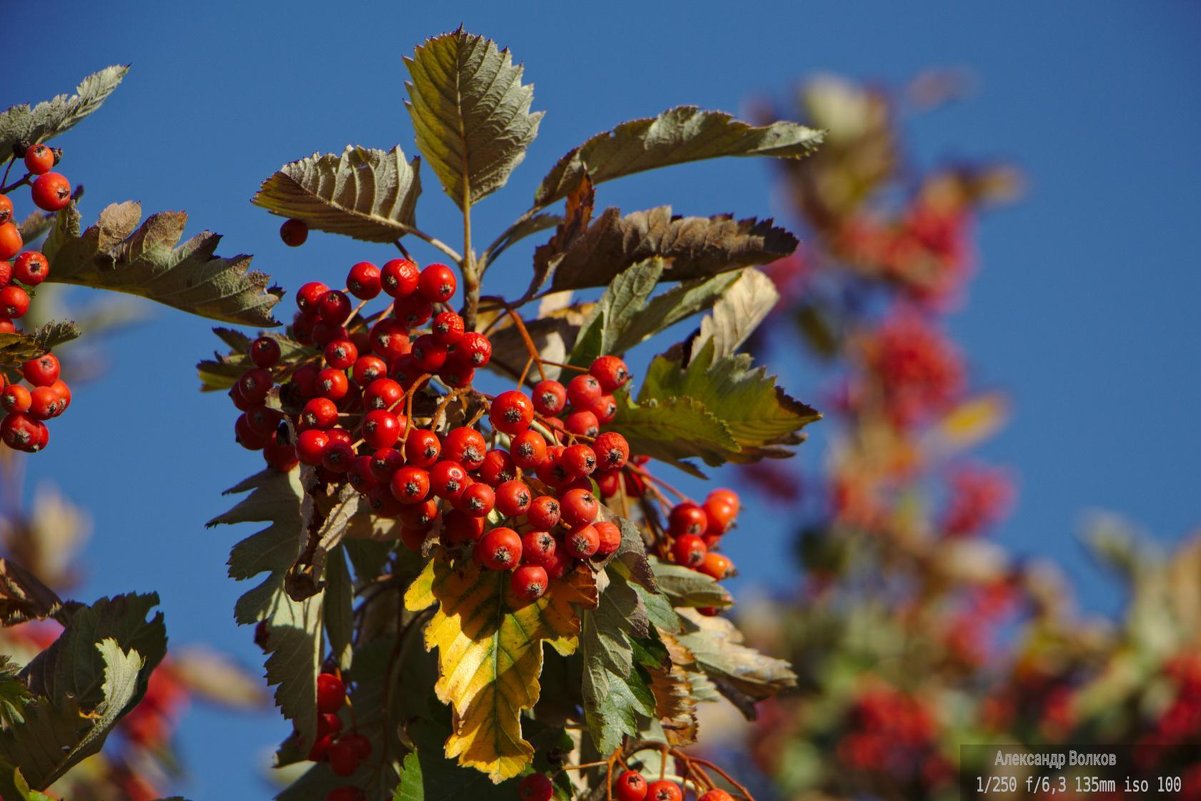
<point>969,423</point>
<point>490,655</point>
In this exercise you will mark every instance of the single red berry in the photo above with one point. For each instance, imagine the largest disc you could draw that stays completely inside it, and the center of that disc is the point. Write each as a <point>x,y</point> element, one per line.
<point>6,271</point>
<point>537,548</point>
<point>536,787</point>
<point>715,565</point>
<point>363,280</point>
<point>51,191</point>
<point>612,451</point>
<point>328,723</point>
<point>346,792</point>
<point>410,484</point>
<point>280,456</point>
<point>459,528</point>
<point>343,761</point>
<point>550,397</point>
<point>421,515</point>
<point>412,311</point>
<point>6,209</point>
<point>544,512</point>
<point>719,514</point>
<point>688,550</point>
<point>334,307</point>
<point>31,268</point>
<point>630,786</point>
<point>429,353</point>
<point>611,372</point>
<point>385,462</point>
<point>381,429</point>
<point>317,413</point>
<point>448,479</point>
<point>609,534</point>
<point>687,518</point>
<point>42,371</point>
<point>10,240</point>
<point>582,423</point>
<point>333,384</point>
<point>309,295</point>
<point>578,461</point>
<point>398,278</point>
<point>341,354</point>
<point>331,693</point>
<point>726,496</point>
<point>456,375</point>
<point>447,327</point>
<point>358,743</point>
<point>262,421</point>
<point>382,393</point>
<point>529,582</point>
<point>390,339</point>
<point>499,549</point>
<point>528,450</point>
<point>511,412</point>
<point>513,498</point>
<point>39,159</point>
<point>294,233</point>
<point>582,389</point>
<point>474,348</point>
<point>359,475</point>
<point>466,446</point>
<point>437,283</point>
<point>367,369</point>
<point>476,500</point>
<point>16,398</point>
<point>311,445</point>
<point>320,750</point>
<point>45,403</point>
<point>14,301</point>
<point>265,352</point>
<point>423,448</point>
<point>664,790</point>
<point>63,390</point>
<point>579,507</point>
<point>21,432</point>
<point>716,794</point>
<point>582,542</point>
<point>607,482</point>
<point>604,407</point>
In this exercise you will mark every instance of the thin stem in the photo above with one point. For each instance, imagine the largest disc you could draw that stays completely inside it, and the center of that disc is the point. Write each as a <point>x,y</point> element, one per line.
<point>12,159</point>
<point>450,252</point>
<point>6,189</point>
<point>528,340</point>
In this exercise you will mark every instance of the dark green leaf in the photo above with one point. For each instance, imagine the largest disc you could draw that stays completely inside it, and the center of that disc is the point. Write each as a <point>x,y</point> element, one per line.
<point>52,117</point>
<point>623,302</point>
<point>697,247</point>
<point>676,136</point>
<point>471,113</point>
<point>18,348</point>
<point>427,775</point>
<point>364,193</point>
<point>670,307</point>
<point>672,429</point>
<point>687,587</point>
<point>148,260</point>
<point>339,608</point>
<point>13,693</point>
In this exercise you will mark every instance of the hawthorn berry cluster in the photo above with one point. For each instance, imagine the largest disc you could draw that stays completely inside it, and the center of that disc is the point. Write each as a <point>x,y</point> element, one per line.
<point>630,785</point>
<point>342,750</point>
<point>27,408</point>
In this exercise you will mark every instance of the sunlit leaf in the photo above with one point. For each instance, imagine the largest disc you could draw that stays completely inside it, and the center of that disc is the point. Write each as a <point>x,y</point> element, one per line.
<point>53,117</point>
<point>18,348</point>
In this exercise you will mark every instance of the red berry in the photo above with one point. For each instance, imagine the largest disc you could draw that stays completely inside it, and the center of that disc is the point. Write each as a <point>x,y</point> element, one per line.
<point>716,794</point>
<point>341,354</point>
<point>317,413</point>
<point>582,542</point>
<point>437,283</point>
<point>448,479</point>
<point>390,339</point>
<point>39,159</point>
<point>51,191</point>
<point>497,468</point>
<point>260,419</point>
<point>382,393</point>
<point>688,550</point>
<point>474,348</point>
<point>45,403</point>
<point>346,792</point>
<point>476,500</point>
<point>607,482</point>
<point>309,295</point>
<point>10,240</point>
<point>280,456</point>
<point>726,496</point>
<point>612,451</point>
<point>14,301</point>
<point>550,397</point>
<point>6,210</point>
<point>412,311</point>
<point>630,786</point>
<point>398,278</point>
<point>343,760</point>
<point>457,376</point>
<point>42,371</point>
<point>447,327</point>
<point>579,507</point>
<point>367,369</point>
<point>578,461</point>
<point>528,450</point>
<point>265,352</point>
<point>363,280</point>
<point>466,446</point>
<point>410,485</point>
<point>611,372</point>
<point>384,463</point>
<point>320,750</point>
<point>511,412</point>
<point>715,565</point>
<point>328,723</point>
<point>582,424</point>
<point>294,233</point>
<point>332,384</point>
<point>529,582</point>
<point>459,528</point>
<point>604,407</point>
<point>359,744</point>
<point>582,389</point>
<point>609,534</point>
<point>6,271</point>
<point>544,512</point>
<point>719,515</point>
<point>331,693</point>
<point>31,268</point>
<point>381,429</point>
<point>687,518</point>
<point>334,307</point>
<point>311,445</point>
<point>536,787</point>
<point>499,549</point>
<point>423,448</point>
<point>429,353</point>
<point>513,498</point>
<point>537,548</point>
<point>15,398</point>
<point>664,791</point>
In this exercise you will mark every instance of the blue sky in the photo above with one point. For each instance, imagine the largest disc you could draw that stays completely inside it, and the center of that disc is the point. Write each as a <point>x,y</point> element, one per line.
<point>1084,310</point>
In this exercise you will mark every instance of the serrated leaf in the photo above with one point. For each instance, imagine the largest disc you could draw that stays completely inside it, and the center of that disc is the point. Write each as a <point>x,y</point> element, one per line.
<point>148,260</point>
<point>672,429</point>
<point>737,313</point>
<point>686,587</point>
<point>677,136</point>
<point>490,655</point>
<point>674,685</point>
<point>293,628</point>
<point>427,775</point>
<point>20,347</point>
<point>697,247</point>
<point>363,193</point>
<point>577,213</point>
<point>760,417</point>
<point>670,307</point>
<point>339,609</point>
<point>223,370</point>
<point>23,596</point>
<point>471,113</point>
<point>740,672</point>
<point>621,304</point>
<point>616,691</point>
<point>53,117</point>
<point>13,693</point>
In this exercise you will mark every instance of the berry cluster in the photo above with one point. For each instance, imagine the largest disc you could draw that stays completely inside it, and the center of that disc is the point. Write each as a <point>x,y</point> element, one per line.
<point>696,530</point>
<point>23,427</point>
<point>342,750</point>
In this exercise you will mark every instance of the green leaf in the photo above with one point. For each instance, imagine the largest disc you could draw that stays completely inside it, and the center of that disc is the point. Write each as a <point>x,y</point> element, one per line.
<point>52,117</point>
<point>616,691</point>
<point>427,775</point>
<point>471,113</point>
<point>697,247</point>
<point>686,587</point>
<point>670,307</point>
<point>671,429</point>
<point>148,260</point>
<point>293,628</point>
<point>20,347</point>
<point>13,693</point>
<point>618,307</point>
<point>339,608</point>
<point>741,673</point>
<point>364,193</point>
<point>677,136</point>
<point>760,417</point>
